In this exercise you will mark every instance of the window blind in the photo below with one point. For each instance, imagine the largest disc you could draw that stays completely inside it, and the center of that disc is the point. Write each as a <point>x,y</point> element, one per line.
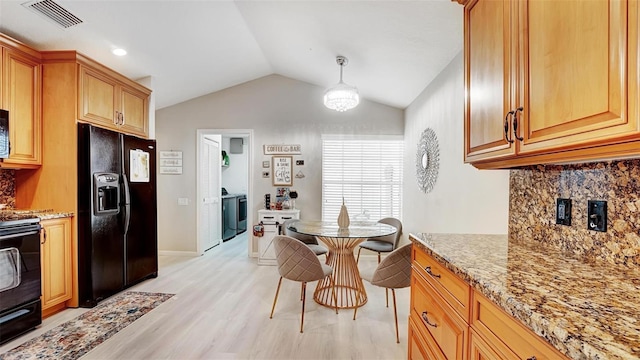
<point>367,172</point>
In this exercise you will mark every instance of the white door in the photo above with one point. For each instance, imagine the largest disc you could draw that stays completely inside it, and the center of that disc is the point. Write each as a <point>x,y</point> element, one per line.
<point>209,218</point>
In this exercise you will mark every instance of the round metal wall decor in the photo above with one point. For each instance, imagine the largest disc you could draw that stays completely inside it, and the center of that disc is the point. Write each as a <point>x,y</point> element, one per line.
<point>427,160</point>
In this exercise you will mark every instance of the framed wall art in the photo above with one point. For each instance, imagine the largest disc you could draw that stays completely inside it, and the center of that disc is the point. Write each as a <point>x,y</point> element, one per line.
<point>282,170</point>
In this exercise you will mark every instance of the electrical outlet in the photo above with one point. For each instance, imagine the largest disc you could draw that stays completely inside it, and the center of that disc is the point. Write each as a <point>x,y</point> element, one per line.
<point>563,211</point>
<point>597,215</point>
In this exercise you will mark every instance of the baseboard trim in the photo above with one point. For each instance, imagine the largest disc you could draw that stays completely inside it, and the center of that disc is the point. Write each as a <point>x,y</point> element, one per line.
<point>177,253</point>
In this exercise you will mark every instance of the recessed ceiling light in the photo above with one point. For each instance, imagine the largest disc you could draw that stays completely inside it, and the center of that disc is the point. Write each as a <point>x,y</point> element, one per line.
<point>119,52</point>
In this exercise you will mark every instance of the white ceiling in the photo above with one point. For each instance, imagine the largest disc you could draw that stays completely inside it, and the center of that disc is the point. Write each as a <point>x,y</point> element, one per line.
<point>192,48</point>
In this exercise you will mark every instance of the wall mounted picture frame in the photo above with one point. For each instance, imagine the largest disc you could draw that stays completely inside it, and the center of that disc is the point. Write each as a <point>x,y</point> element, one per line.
<point>282,170</point>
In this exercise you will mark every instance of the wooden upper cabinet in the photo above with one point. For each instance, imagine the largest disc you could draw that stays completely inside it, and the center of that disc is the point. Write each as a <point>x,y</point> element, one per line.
<point>105,101</point>
<point>558,78</point>
<point>488,79</point>
<point>134,105</point>
<point>98,103</point>
<point>574,73</point>
<point>22,96</point>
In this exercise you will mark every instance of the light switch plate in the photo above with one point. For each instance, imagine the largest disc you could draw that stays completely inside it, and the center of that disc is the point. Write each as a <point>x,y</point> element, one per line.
<point>183,201</point>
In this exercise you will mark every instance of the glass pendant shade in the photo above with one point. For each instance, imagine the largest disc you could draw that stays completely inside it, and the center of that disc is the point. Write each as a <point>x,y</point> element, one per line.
<point>341,97</point>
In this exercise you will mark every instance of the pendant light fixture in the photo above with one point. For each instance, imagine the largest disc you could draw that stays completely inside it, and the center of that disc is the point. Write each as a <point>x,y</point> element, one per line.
<point>341,97</point>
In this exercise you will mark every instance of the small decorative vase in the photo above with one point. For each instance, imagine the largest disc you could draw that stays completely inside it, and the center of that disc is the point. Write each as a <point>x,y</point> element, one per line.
<point>343,217</point>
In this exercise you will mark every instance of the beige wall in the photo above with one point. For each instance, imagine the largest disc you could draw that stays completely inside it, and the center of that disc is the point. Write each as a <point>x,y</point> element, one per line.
<point>280,110</point>
<point>464,199</point>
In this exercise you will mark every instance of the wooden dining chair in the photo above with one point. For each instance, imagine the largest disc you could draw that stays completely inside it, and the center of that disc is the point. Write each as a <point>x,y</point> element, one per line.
<point>309,240</point>
<point>297,262</point>
<point>393,272</point>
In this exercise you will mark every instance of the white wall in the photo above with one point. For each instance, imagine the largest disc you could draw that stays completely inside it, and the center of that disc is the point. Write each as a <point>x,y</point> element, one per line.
<point>235,176</point>
<point>280,110</point>
<point>464,199</point>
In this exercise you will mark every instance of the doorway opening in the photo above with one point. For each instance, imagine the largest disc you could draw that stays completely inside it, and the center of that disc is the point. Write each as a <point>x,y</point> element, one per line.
<point>229,208</point>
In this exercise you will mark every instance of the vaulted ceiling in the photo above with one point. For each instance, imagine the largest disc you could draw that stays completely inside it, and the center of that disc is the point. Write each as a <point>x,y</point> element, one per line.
<point>192,48</point>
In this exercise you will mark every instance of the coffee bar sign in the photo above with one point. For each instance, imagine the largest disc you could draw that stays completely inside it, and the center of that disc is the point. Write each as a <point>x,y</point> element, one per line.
<point>282,149</point>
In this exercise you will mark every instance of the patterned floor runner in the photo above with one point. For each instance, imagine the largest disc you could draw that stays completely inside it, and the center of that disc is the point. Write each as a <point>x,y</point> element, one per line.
<point>76,337</point>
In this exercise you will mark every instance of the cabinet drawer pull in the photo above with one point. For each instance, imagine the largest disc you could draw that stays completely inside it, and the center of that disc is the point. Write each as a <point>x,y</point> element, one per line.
<point>426,319</point>
<point>532,358</point>
<point>515,124</point>
<point>428,270</point>
<point>506,127</point>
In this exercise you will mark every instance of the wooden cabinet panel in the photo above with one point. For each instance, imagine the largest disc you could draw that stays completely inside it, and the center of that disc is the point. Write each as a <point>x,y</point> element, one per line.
<point>437,320</point>
<point>574,85</point>
<point>98,97</point>
<point>506,334</point>
<point>22,94</point>
<point>481,350</point>
<point>56,256</point>
<point>489,75</point>
<point>452,289</point>
<point>134,111</point>
<point>418,345</point>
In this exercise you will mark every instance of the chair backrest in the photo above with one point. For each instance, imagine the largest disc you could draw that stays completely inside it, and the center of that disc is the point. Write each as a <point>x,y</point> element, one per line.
<point>395,237</point>
<point>296,261</point>
<point>307,239</point>
<point>394,271</point>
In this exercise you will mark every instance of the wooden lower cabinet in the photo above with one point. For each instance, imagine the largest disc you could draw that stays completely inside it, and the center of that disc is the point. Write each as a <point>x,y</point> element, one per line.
<point>418,348</point>
<point>479,349</point>
<point>452,321</point>
<point>437,321</point>
<point>56,259</point>
<point>506,335</point>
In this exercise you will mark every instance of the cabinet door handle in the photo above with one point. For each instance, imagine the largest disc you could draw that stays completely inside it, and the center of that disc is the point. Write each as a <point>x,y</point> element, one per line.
<point>532,358</point>
<point>506,127</point>
<point>426,319</point>
<point>122,121</point>
<point>116,118</point>
<point>515,123</point>
<point>44,238</point>
<point>428,270</point>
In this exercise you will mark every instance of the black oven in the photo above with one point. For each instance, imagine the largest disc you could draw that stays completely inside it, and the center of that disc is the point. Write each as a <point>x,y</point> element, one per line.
<point>20,283</point>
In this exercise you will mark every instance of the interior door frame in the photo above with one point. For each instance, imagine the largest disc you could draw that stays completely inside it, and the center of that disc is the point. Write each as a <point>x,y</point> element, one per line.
<point>201,133</point>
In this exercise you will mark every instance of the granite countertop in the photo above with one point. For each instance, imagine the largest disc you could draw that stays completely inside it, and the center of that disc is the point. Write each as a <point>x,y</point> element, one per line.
<point>585,310</point>
<point>7,214</point>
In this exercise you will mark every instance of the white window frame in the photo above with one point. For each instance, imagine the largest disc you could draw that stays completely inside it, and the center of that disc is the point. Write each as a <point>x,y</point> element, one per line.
<point>365,167</point>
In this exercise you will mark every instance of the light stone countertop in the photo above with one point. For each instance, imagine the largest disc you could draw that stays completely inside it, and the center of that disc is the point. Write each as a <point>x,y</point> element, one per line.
<point>585,310</point>
<point>44,214</point>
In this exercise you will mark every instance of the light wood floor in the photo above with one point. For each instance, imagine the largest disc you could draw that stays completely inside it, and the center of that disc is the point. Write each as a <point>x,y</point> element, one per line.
<point>221,311</point>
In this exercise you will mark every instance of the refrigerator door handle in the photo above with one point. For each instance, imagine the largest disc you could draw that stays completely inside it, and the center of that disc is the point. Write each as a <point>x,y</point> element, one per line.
<point>127,202</point>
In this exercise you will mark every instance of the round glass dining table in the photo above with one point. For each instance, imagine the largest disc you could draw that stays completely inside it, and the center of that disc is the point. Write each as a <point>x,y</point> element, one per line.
<point>341,243</point>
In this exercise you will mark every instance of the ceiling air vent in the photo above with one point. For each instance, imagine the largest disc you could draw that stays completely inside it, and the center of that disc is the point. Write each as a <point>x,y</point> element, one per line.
<point>54,12</point>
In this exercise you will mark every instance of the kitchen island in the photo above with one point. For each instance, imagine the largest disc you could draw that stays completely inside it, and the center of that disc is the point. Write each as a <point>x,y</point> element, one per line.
<point>584,310</point>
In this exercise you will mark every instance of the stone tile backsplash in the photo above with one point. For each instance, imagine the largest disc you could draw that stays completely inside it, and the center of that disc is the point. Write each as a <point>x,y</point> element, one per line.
<point>7,188</point>
<point>532,208</point>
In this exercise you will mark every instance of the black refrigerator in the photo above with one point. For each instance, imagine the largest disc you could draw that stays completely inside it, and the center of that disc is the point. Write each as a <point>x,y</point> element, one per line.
<point>117,217</point>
